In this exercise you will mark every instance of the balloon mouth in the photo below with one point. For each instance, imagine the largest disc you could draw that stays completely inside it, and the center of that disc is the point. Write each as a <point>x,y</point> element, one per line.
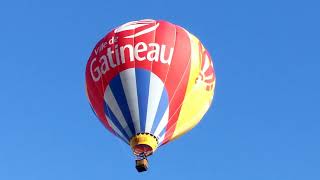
<point>143,144</point>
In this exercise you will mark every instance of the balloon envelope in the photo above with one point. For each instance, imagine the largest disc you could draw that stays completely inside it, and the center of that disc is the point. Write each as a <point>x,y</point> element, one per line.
<point>149,82</point>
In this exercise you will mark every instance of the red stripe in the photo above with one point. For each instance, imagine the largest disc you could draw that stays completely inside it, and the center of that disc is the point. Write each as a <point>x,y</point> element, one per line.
<point>178,72</point>
<point>165,34</point>
<point>96,99</point>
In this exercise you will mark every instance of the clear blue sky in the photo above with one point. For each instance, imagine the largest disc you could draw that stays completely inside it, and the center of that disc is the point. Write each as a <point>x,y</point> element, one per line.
<point>263,125</point>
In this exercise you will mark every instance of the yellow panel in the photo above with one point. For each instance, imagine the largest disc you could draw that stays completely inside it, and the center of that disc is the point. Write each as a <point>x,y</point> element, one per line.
<point>198,97</point>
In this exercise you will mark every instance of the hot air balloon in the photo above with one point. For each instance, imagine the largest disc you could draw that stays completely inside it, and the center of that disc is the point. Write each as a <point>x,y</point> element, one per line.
<point>149,82</point>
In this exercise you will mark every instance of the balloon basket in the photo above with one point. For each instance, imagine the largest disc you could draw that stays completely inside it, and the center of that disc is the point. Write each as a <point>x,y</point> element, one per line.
<point>142,165</point>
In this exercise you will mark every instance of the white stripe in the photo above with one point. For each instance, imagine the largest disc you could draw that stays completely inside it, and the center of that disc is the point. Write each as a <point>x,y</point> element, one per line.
<point>144,31</point>
<point>161,139</point>
<point>206,64</point>
<point>116,130</point>
<point>128,79</point>
<point>146,21</point>
<point>208,77</point>
<point>112,103</point>
<point>163,123</point>
<point>133,25</point>
<point>155,92</point>
<point>128,26</point>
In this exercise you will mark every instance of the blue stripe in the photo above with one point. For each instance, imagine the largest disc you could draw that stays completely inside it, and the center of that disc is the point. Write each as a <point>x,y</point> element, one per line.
<point>93,111</point>
<point>162,132</point>
<point>115,121</point>
<point>143,81</point>
<point>119,95</point>
<point>163,104</point>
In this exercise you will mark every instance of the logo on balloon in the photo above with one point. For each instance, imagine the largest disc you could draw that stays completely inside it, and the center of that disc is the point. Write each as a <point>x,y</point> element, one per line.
<point>115,55</point>
<point>206,75</point>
